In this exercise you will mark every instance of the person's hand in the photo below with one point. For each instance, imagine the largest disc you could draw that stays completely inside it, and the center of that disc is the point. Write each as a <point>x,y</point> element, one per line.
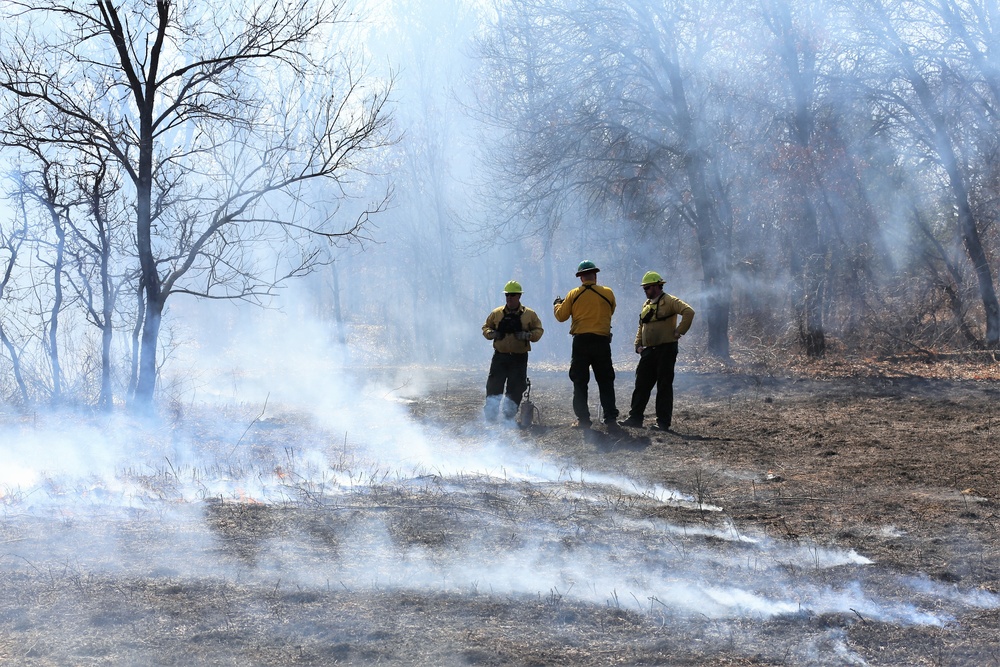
<point>491,334</point>
<point>639,349</point>
<point>558,300</point>
<point>523,335</point>
<point>677,334</point>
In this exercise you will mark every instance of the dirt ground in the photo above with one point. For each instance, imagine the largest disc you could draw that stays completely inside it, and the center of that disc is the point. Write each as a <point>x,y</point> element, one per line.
<point>818,516</point>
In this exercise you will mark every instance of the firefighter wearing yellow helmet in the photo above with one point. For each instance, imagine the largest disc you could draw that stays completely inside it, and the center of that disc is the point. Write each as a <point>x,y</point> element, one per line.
<point>656,345</point>
<point>590,306</point>
<point>512,328</point>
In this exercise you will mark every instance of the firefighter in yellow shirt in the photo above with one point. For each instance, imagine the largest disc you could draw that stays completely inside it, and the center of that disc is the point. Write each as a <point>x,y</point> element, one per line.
<point>656,343</point>
<point>590,306</point>
<point>512,328</point>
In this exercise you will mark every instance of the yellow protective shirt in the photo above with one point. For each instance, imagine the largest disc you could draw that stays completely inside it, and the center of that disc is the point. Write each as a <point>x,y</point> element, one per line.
<point>591,307</point>
<point>658,320</point>
<point>509,343</point>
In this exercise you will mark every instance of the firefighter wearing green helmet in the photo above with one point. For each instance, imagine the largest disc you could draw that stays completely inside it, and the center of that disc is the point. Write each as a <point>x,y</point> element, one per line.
<point>512,328</point>
<point>590,306</point>
<point>656,345</point>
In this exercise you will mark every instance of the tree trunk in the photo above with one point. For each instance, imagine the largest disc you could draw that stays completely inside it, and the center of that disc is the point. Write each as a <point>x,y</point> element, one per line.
<point>154,302</point>
<point>106,399</point>
<point>712,235</point>
<point>57,301</point>
<point>809,253</point>
<point>133,381</point>
<point>974,246</point>
<point>147,262</point>
<point>338,315</point>
<point>811,277</point>
<point>718,317</point>
<point>967,227</point>
<point>718,286</point>
<point>15,361</point>
<point>147,355</point>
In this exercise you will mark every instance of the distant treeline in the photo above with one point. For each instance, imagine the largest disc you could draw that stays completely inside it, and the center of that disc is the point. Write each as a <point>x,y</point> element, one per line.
<point>830,168</point>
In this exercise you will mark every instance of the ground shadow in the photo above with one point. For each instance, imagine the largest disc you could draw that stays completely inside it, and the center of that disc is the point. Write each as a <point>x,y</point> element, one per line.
<point>616,441</point>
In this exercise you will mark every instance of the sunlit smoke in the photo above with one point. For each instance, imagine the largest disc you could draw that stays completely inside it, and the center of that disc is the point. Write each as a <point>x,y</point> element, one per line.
<point>593,537</point>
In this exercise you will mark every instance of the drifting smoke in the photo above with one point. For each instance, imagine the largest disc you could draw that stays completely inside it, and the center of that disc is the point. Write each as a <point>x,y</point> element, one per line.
<point>282,415</point>
<point>582,541</point>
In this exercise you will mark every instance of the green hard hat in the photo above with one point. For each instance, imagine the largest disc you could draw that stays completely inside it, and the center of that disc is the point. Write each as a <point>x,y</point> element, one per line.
<point>651,278</point>
<point>586,266</point>
<point>512,287</point>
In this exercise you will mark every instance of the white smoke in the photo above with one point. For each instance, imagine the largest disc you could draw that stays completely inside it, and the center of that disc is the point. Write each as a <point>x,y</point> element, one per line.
<point>573,533</point>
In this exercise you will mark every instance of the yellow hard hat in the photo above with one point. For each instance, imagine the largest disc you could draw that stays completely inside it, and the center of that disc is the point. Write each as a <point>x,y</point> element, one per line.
<point>652,278</point>
<point>512,287</point>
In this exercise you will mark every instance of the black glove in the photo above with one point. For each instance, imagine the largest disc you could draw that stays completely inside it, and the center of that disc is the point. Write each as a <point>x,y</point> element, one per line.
<point>558,300</point>
<point>523,335</point>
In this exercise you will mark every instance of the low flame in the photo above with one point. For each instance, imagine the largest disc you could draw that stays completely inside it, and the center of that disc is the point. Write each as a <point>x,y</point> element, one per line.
<point>244,498</point>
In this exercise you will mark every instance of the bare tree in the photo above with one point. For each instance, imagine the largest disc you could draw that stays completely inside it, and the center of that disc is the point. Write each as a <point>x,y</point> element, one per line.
<point>796,58</point>
<point>219,115</point>
<point>46,187</point>
<point>11,242</point>
<point>102,260</point>
<point>605,102</point>
<point>927,91</point>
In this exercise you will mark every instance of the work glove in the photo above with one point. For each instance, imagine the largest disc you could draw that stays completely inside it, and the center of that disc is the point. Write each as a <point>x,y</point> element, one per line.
<point>523,335</point>
<point>639,349</point>
<point>491,334</point>
<point>558,300</point>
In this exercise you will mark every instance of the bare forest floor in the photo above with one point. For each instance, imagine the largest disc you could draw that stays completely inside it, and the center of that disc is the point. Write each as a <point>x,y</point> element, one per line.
<point>843,513</point>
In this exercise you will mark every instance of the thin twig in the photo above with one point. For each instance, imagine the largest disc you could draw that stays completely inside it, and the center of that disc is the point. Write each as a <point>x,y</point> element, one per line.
<point>393,391</point>
<point>255,420</point>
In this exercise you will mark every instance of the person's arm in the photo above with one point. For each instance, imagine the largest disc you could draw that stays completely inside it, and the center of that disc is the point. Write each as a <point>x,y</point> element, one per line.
<point>687,317</point>
<point>535,327</point>
<point>563,308</point>
<point>490,328</point>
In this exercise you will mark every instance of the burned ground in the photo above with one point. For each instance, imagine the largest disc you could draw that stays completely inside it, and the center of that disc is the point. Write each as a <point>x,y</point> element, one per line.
<point>806,518</point>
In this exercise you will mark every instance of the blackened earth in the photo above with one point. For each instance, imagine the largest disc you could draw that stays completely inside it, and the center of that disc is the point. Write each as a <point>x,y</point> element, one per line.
<point>857,515</point>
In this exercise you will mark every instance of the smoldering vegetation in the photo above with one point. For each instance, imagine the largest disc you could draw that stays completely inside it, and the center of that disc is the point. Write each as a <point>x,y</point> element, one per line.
<point>248,536</point>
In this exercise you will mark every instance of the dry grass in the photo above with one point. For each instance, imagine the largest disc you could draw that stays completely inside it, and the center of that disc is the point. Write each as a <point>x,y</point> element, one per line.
<point>560,548</point>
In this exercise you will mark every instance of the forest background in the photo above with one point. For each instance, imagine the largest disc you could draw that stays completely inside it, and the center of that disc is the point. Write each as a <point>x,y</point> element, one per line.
<point>815,178</point>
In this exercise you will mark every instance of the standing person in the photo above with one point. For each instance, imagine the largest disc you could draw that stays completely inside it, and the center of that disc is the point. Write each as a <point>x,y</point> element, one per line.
<point>512,328</point>
<point>656,345</point>
<point>591,307</point>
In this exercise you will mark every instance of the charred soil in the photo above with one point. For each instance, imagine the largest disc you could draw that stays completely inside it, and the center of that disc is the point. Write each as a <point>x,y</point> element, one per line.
<point>857,512</point>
